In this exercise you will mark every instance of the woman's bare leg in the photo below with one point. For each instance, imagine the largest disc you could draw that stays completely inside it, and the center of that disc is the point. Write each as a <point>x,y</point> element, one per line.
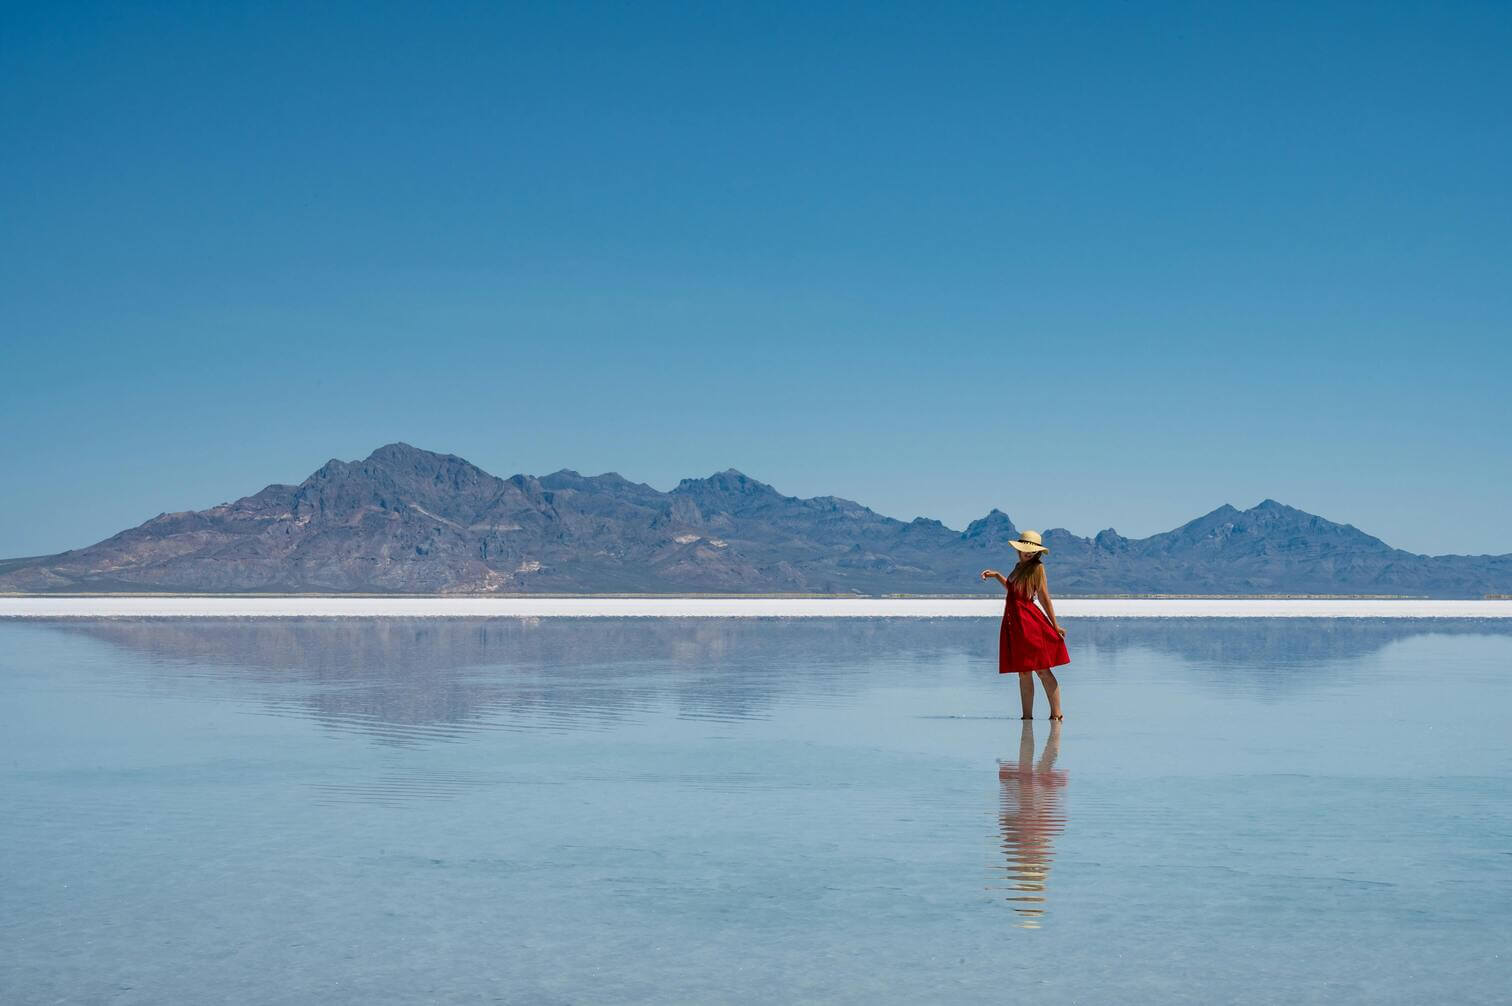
<point>1026,695</point>
<point>1052,691</point>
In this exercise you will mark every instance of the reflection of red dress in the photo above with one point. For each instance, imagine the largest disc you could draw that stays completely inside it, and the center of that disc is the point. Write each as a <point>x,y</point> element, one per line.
<point>1027,641</point>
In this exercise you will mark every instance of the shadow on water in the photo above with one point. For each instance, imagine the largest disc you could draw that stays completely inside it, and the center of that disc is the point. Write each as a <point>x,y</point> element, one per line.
<point>405,681</point>
<point>1031,813</point>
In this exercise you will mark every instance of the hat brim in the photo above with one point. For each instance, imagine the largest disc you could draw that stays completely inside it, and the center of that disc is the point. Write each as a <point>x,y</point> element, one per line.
<point>1028,548</point>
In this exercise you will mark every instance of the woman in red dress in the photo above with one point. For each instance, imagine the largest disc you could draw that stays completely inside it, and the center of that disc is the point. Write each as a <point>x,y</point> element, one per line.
<point>1030,640</point>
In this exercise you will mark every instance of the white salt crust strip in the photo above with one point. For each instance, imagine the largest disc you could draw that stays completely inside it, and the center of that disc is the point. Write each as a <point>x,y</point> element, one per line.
<point>728,607</point>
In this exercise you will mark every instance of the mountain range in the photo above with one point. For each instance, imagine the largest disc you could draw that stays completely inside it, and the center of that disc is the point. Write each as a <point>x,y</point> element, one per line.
<point>405,520</point>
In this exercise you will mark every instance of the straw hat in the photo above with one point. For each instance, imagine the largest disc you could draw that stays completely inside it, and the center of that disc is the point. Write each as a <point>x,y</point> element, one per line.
<point>1029,543</point>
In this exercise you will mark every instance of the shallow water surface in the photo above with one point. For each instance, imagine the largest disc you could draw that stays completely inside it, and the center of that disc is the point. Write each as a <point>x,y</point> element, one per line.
<point>752,810</point>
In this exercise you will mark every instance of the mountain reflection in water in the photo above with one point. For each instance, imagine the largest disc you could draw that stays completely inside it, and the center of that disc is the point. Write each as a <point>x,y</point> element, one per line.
<point>1031,813</point>
<point>408,681</point>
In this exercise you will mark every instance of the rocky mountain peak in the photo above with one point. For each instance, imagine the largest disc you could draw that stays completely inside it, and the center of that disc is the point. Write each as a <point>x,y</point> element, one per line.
<point>995,526</point>
<point>1271,509</point>
<point>402,459</point>
<point>397,451</point>
<point>1111,540</point>
<point>728,482</point>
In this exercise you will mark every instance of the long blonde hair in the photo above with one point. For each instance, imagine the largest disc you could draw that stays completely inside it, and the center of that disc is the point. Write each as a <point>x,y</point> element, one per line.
<point>1028,577</point>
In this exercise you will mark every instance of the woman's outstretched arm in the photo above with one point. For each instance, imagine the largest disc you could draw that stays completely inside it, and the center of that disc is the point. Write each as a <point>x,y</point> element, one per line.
<point>992,574</point>
<point>1044,600</point>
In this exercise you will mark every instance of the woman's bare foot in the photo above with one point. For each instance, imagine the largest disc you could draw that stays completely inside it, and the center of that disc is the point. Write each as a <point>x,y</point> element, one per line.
<point>1026,716</point>
<point>1058,716</point>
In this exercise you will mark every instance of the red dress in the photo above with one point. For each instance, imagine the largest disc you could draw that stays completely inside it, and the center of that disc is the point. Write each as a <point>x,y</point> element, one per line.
<point>1027,641</point>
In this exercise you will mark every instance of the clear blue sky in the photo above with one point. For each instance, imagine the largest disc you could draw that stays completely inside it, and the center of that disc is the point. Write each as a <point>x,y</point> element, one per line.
<point>1093,264</point>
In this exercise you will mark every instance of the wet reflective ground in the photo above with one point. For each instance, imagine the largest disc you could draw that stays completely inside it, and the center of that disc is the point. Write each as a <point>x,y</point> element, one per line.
<point>663,810</point>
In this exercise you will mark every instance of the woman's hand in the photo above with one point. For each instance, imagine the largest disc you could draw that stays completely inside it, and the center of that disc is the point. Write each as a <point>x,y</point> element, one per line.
<point>1061,631</point>
<point>990,574</point>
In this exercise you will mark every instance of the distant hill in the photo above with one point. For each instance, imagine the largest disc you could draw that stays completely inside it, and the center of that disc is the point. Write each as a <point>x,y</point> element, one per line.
<point>405,520</point>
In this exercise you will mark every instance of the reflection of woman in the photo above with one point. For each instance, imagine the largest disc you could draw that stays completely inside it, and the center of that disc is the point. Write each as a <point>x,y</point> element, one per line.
<point>1030,640</point>
<point>1031,815</point>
